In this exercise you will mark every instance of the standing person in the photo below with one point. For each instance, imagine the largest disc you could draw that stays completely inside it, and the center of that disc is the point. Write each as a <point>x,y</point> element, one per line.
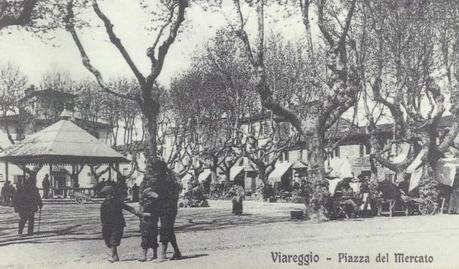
<point>135,193</point>
<point>149,205</point>
<point>238,192</point>
<point>149,223</point>
<point>5,192</point>
<point>27,201</point>
<point>46,185</point>
<point>113,223</point>
<point>169,215</point>
<point>11,194</point>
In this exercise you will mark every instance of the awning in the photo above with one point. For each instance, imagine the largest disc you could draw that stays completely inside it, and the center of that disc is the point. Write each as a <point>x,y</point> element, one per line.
<point>235,171</point>
<point>339,167</point>
<point>446,170</point>
<point>402,155</point>
<point>186,178</point>
<point>278,172</point>
<point>416,162</point>
<point>204,175</point>
<point>332,183</point>
<point>415,179</point>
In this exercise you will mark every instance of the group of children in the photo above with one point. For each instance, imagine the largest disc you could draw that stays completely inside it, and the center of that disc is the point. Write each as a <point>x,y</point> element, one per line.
<point>158,202</point>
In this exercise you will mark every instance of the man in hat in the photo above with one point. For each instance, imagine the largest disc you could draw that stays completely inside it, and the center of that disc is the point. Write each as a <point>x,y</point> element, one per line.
<point>46,185</point>
<point>27,201</point>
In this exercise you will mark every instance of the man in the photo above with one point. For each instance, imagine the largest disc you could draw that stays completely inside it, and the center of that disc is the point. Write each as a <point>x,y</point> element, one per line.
<point>27,201</point>
<point>135,193</point>
<point>46,185</point>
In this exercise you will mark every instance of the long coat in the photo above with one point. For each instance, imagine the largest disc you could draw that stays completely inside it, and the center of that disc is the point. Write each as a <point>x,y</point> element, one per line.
<point>27,200</point>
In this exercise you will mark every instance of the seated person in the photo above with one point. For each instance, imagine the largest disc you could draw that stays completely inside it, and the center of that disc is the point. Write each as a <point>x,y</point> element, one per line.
<point>345,195</point>
<point>321,199</point>
<point>365,194</point>
<point>389,191</point>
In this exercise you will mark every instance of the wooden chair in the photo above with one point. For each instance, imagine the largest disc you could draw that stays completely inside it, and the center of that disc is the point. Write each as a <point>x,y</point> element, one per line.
<point>390,204</point>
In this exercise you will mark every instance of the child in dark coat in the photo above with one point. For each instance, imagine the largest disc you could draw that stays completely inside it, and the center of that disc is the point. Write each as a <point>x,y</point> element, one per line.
<point>111,216</point>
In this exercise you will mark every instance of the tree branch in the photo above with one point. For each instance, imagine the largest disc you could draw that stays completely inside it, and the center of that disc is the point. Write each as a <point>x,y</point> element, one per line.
<point>117,42</point>
<point>70,27</point>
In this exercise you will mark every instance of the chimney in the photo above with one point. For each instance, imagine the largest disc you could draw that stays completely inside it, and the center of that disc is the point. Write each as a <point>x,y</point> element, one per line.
<point>29,90</point>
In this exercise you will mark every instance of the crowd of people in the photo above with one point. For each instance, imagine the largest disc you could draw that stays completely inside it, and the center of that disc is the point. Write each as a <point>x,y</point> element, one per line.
<point>159,193</point>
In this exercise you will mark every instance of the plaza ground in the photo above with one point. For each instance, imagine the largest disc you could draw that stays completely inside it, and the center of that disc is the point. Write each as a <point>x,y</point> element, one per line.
<point>213,238</point>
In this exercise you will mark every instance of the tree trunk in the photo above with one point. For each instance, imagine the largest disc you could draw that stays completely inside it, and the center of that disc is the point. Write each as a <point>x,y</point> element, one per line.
<point>317,158</point>
<point>213,174</point>
<point>151,148</point>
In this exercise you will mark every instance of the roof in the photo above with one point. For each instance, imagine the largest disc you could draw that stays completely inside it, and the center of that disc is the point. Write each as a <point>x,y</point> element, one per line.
<point>48,93</point>
<point>235,171</point>
<point>61,143</point>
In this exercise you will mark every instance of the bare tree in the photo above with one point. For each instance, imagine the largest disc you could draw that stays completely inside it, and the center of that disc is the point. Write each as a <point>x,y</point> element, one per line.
<point>406,85</point>
<point>147,98</point>
<point>342,83</point>
<point>12,86</point>
<point>264,147</point>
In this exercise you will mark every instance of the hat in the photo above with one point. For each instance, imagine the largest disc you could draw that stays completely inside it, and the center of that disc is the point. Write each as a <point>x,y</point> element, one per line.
<point>107,190</point>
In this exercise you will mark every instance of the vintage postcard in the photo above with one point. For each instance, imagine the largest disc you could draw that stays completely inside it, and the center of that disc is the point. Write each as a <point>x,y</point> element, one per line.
<point>229,134</point>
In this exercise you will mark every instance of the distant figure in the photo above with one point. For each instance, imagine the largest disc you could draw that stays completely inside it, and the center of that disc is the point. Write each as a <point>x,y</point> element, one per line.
<point>98,187</point>
<point>27,201</point>
<point>135,193</point>
<point>111,216</point>
<point>6,189</point>
<point>46,185</point>
<point>121,189</point>
<point>238,197</point>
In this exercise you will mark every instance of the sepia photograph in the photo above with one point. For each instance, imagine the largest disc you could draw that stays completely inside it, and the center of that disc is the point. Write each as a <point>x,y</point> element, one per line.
<point>229,134</point>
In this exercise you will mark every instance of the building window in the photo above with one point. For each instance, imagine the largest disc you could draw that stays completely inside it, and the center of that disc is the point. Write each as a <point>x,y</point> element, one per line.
<point>284,157</point>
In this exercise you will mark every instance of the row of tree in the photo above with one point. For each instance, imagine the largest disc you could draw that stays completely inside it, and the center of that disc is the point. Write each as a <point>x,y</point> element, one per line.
<point>395,60</point>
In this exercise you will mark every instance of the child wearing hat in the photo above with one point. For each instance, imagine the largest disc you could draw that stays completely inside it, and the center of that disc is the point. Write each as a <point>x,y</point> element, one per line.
<point>111,216</point>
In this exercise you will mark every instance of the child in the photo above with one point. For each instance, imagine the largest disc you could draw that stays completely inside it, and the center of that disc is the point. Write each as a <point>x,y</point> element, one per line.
<point>111,216</point>
<point>148,224</point>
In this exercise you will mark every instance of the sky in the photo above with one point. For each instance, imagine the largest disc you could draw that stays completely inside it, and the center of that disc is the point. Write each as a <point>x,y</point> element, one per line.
<point>37,56</point>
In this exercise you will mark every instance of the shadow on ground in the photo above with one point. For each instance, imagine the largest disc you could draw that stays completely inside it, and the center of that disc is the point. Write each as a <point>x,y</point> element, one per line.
<point>81,223</point>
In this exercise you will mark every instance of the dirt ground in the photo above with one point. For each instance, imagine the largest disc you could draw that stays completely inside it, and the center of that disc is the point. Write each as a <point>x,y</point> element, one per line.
<point>211,237</point>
